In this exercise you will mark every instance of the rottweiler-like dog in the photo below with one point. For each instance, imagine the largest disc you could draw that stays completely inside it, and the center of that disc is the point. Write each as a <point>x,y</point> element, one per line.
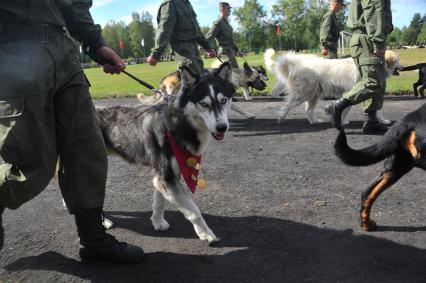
<point>422,78</point>
<point>403,146</point>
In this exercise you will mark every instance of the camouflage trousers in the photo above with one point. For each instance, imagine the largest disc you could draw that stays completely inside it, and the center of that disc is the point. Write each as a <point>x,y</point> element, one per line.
<point>46,114</point>
<point>370,90</point>
<point>186,53</point>
<point>229,56</point>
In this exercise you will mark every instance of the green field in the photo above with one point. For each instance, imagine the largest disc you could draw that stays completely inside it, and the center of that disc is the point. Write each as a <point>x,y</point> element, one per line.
<point>107,86</point>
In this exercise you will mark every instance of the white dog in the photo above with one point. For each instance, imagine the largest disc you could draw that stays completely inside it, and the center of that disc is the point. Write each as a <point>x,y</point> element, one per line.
<point>307,78</point>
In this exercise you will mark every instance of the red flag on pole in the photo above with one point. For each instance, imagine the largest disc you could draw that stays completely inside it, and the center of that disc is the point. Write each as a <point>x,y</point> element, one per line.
<point>278,29</point>
<point>121,44</point>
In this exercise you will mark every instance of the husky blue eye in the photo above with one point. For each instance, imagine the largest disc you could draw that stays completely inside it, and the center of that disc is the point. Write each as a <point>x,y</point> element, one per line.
<point>224,100</point>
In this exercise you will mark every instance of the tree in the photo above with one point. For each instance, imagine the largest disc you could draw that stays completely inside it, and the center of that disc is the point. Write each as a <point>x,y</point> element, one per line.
<point>422,35</point>
<point>395,37</point>
<point>292,14</point>
<point>148,32</point>
<point>417,23</point>
<point>251,17</point>
<point>409,36</point>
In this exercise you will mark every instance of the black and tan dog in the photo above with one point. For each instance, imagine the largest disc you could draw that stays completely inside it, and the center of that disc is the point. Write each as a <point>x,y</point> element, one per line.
<point>422,78</point>
<point>403,147</point>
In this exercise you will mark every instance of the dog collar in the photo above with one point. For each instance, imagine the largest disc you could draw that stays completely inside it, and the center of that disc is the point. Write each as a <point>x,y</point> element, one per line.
<point>189,164</point>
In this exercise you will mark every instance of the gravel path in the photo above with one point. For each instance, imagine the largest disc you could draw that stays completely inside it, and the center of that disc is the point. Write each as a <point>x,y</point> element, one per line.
<point>285,208</point>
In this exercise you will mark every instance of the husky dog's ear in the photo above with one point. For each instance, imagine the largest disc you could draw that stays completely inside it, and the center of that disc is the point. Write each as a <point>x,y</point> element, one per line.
<point>224,72</point>
<point>188,79</point>
<point>247,69</point>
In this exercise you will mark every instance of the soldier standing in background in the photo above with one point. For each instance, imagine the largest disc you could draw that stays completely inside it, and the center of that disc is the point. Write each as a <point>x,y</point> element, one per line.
<point>330,30</point>
<point>222,31</point>
<point>370,22</point>
<point>178,26</point>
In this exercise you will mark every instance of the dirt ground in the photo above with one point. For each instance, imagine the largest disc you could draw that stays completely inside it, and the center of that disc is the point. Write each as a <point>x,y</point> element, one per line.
<point>285,208</point>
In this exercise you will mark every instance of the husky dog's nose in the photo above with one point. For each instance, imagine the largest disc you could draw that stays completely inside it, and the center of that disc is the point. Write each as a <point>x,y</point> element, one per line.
<point>221,128</point>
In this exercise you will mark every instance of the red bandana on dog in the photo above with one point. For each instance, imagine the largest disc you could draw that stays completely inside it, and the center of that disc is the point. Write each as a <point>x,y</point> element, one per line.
<point>188,172</point>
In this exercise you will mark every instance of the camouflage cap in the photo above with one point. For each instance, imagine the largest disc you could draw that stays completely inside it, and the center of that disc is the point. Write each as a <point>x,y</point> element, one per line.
<point>224,5</point>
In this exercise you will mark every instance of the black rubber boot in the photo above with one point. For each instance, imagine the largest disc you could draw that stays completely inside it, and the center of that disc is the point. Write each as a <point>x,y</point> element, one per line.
<point>1,228</point>
<point>372,126</point>
<point>97,245</point>
<point>335,110</point>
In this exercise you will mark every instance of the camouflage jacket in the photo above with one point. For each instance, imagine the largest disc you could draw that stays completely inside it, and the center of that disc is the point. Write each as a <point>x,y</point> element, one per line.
<point>222,31</point>
<point>177,22</point>
<point>72,14</point>
<point>373,18</point>
<point>329,31</point>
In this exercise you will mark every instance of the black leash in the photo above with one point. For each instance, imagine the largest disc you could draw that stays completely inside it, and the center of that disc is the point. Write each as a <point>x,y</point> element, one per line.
<point>145,84</point>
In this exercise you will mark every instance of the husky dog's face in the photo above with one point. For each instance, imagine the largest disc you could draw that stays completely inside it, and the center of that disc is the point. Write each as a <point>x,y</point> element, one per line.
<point>393,66</point>
<point>205,100</point>
<point>254,78</point>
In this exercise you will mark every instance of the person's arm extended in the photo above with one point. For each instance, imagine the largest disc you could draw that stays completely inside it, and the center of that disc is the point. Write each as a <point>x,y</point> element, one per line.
<point>166,26</point>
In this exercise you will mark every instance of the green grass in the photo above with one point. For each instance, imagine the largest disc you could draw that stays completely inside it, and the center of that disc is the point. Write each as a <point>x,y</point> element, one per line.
<point>107,86</point>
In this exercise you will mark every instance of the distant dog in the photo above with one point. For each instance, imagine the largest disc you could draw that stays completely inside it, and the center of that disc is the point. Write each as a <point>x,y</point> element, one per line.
<point>308,78</point>
<point>422,78</point>
<point>248,77</point>
<point>403,146</point>
<point>150,134</point>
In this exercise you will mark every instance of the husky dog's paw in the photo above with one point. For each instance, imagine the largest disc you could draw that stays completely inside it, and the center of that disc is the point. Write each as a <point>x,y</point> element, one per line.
<point>250,116</point>
<point>249,98</point>
<point>386,122</point>
<point>345,123</point>
<point>160,225</point>
<point>317,121</point>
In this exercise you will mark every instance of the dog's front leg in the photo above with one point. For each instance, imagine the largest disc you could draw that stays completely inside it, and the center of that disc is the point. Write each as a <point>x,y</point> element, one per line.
<point>158,207</point>
<point>178,196</point>
<point>246,93</point>
<point>242,112</point>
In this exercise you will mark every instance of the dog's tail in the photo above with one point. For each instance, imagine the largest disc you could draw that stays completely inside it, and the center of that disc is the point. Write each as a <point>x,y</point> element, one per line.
<point>414,67</point>
<point>382,149</point>
<point>288,66</point>
<point>151,99</point>
<point>269,62</point>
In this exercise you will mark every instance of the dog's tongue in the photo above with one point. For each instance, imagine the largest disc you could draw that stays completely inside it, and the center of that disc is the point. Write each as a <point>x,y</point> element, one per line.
<point>219,136</point>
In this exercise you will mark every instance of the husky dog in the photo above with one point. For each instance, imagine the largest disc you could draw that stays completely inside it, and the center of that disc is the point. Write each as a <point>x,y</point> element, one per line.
<point>141,134</point>
<point>248,77</point>
<point>403,147</point>
<point>308,78</point>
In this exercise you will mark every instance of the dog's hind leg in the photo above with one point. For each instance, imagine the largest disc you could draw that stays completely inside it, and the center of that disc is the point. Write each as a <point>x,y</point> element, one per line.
<point>242,112</point>
<point>287,107</point>
<point>309,110</point>
<point>158,207</point>
<point>184,203</point>
<point>395,167</point>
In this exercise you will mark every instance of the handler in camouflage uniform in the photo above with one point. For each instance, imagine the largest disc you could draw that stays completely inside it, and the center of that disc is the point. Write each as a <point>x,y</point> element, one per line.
<point>178,26</point>
<point>222,31</point>
<point>330,30</point>
<point>370,22</point>
<point>46,113</point>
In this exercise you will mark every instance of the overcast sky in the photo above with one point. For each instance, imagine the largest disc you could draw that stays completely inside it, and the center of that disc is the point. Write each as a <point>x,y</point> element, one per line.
<point>207,10</point>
